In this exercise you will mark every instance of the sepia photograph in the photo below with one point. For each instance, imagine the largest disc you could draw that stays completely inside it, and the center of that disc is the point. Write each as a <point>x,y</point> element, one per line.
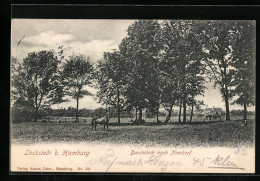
<point>138,96</point>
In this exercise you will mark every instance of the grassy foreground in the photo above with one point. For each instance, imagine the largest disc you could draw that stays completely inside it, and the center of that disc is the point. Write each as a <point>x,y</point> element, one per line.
<point>217,133</point>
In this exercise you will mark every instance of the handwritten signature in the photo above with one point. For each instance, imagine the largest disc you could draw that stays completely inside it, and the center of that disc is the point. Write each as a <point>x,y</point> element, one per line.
<point>218,162</point>
<point>109,159</point>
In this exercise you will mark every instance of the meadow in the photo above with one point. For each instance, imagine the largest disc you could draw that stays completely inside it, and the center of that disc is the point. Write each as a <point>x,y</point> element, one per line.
<point>198,133</point>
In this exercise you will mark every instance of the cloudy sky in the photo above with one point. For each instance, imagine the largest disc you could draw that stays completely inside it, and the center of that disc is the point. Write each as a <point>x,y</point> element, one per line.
<point>89,37</point>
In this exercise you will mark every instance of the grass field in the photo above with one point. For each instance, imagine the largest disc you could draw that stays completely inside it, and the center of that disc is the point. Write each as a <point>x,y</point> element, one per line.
<point>198,133</point>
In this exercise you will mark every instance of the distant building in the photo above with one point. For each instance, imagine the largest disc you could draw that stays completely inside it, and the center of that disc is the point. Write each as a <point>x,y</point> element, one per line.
<point>213,111</point>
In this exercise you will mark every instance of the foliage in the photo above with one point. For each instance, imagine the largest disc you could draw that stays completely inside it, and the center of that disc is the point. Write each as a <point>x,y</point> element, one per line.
<point>141,50</point>
<point>181,66</point>
<point>157,65</point>
<point>244,63</point>
<point>225,45</point>
<point>36,79</point>
<point>77,73</point>
<point>22,111</point>
<point>110,76</point>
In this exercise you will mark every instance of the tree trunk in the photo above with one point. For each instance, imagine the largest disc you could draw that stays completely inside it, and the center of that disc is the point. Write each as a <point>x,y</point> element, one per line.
<point>36,101</point>
<point>180,111</point>
<point>36,108</point>
<point>77,109</point>
<point>118,106</point>
<point>191,114</point>
<point>157,114</point>
<point>227,108</point>
<point>140,114</point>
<point>36,114</point>
<point>245,111</point>
<point>118,115</point>
<point>184,90</point>
<point>184,109</point>
<point>226,94</point>
<point>136,111</point>
<point>169,114</point>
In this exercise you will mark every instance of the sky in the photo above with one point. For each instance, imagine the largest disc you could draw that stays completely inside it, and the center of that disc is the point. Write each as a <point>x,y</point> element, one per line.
<point>89,37</point>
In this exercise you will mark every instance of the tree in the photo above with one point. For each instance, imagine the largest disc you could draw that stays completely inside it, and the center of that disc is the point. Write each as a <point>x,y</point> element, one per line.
<point>219,52</point>
<point>244,63</point>
<point>77,73</point>
<point>181,66</point>
<point>111,80</point>
<point>36,79</point>
<point>140,50</point>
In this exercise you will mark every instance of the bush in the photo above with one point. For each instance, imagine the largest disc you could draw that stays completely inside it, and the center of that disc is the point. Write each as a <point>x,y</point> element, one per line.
<point>22,111</point>
<point>21,114</point>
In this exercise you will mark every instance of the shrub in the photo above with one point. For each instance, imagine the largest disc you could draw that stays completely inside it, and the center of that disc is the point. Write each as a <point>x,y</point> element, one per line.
<point>22,111</point>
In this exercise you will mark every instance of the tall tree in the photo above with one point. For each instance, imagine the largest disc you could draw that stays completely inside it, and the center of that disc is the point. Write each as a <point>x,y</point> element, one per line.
<point>77,73</point>
<point>111,80</point>
<point>141,49</point>
<point>219,52</point>
<point>36,79</point>
<point>244,63</point>
<point>182,61</point>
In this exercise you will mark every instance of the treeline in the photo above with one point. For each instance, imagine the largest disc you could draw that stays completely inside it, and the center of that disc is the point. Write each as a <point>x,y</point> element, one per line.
<point>157,65</point>
<point>167,65</point>
<point>241,113</point>
<point>22,113</point>
<point>70,112</point>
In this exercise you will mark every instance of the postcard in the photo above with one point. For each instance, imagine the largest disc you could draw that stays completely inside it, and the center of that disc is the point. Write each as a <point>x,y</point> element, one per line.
<point>132,96</point>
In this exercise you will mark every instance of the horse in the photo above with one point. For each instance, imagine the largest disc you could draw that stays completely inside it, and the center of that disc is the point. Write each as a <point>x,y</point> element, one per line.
<point>102,120</point>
